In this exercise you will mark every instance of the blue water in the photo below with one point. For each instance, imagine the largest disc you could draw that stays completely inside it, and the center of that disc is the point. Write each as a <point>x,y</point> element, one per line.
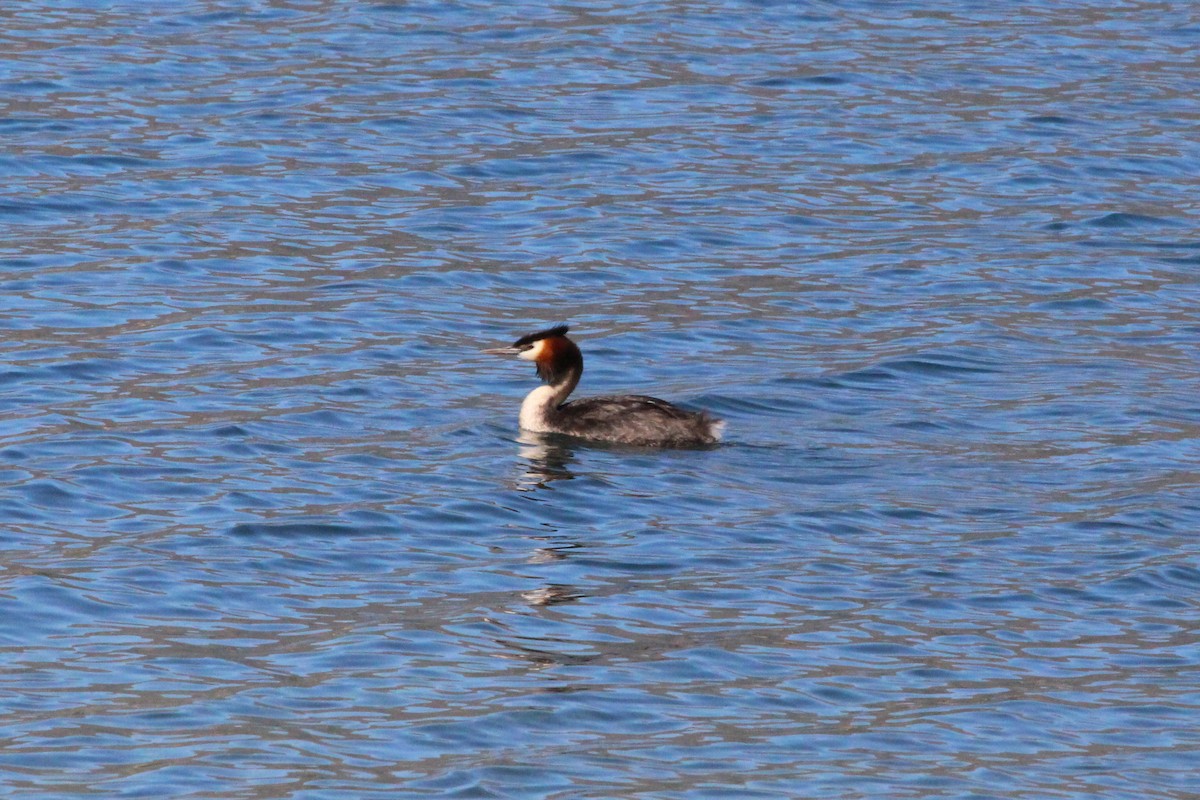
<point>268,528</point>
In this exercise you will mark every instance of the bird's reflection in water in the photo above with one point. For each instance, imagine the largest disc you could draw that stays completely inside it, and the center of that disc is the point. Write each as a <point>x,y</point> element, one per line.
<point>546,459</point>
<point>552,594</point>
<point>547,555</point>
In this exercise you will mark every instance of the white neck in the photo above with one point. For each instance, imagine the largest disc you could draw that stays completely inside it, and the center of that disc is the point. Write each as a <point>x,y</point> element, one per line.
<point>534,410</point>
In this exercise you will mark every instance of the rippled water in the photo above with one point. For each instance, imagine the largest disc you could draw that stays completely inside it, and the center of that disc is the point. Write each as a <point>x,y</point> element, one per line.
<point>269,529</point>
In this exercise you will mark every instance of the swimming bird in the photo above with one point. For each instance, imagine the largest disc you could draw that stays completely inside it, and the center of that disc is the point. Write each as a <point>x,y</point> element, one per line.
<point>625,419</point>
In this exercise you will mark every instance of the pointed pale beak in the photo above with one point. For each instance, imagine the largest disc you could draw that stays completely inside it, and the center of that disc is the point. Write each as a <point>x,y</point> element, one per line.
<point>502,351</point>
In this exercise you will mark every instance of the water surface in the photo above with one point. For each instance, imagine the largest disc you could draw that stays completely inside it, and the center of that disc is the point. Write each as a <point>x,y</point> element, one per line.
<point>269,529</point>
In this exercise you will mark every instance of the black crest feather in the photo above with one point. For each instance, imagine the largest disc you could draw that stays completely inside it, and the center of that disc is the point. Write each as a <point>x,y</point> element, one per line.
<point>530,338</point>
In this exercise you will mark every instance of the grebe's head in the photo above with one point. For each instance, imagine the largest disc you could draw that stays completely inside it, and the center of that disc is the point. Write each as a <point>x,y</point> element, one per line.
<point>554,355</point>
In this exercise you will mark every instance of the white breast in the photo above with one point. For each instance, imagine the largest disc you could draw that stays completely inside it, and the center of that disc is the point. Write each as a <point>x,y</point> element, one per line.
<point>533,410</point>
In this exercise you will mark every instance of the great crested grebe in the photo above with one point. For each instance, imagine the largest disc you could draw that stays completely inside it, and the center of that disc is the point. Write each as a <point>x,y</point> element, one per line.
<point>626,419</point>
